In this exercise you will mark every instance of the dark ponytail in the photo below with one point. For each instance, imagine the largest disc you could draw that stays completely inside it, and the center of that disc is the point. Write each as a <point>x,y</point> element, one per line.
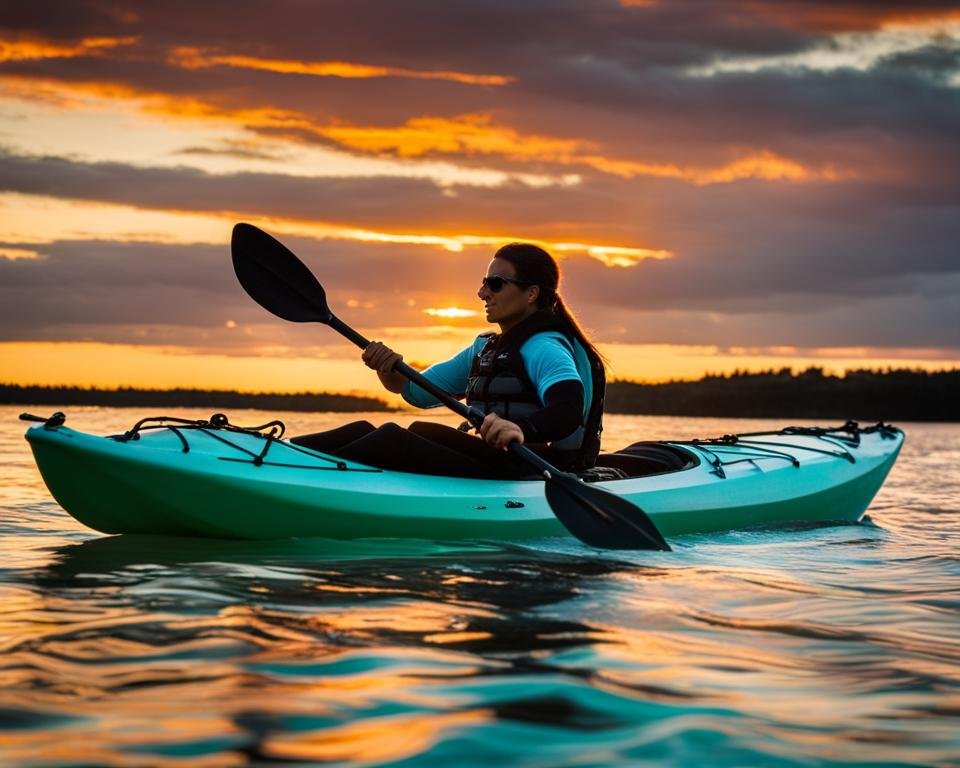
<point>537,267</point>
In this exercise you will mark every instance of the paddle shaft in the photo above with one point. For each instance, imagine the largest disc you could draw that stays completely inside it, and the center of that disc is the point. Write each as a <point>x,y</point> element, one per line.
<point>472,415</point>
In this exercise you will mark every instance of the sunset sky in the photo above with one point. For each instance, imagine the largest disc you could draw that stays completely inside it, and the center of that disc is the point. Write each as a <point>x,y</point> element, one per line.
<point>728,185</point>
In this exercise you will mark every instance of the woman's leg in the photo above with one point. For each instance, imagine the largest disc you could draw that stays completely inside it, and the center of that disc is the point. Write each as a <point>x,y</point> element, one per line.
<point>332,439</point>
<point>499,462</point>
<point>393,447</point>
<point>474,447</point>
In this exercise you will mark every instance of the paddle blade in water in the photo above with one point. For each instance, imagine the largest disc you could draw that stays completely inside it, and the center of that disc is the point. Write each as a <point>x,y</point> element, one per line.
<point>599,518</point>
<point>275,278</point>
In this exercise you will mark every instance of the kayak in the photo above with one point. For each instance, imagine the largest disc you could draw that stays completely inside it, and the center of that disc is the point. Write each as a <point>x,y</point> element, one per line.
<point>212,479</point>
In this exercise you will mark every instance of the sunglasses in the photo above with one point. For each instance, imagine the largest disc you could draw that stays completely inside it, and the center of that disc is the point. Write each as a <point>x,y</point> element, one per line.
<point>495,282</point>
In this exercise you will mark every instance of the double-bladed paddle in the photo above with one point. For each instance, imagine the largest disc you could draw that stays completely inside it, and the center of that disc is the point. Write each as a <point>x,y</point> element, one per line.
<point>282,284</point>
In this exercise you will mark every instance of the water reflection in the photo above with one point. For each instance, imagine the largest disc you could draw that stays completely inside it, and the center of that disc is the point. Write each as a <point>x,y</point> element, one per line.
<point>400,593</point>
<point>822,646</point>
<point>296,651</point>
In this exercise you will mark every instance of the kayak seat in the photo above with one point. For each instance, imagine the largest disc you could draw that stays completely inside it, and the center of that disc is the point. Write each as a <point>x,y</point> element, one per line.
<point>601,474</point>
<point>642,459</point>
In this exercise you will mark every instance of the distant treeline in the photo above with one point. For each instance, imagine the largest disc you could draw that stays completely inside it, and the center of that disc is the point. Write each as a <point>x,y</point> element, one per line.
<point>186,398</point>
<point>865,395</point>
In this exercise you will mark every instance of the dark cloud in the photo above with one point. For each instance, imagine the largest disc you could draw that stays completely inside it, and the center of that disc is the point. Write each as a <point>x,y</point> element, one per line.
<point>68,20</point>
<point>143,292</point>
<point>459,31</point>
<point>919,313</point>
<point>104,283</point>
<point>747,248</point>
<point>805,291</point>
<point>615,74</point>
<point>939,63</point>
<point>735,245</point>
<point>352,200</point>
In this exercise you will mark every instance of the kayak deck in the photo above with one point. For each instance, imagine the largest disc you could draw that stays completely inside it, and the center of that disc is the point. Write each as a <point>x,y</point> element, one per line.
<point>215,480</point>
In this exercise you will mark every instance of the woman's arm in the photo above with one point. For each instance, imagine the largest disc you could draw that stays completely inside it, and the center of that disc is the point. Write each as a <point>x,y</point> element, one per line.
<point>450,376</point>
<point>561,416</point>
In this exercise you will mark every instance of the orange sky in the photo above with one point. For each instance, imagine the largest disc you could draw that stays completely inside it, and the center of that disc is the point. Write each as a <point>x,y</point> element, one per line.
<point>762,185</point>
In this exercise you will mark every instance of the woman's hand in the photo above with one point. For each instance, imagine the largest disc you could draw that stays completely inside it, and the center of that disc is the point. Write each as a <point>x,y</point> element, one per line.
<point>499,432</point>
<point>381,358</point>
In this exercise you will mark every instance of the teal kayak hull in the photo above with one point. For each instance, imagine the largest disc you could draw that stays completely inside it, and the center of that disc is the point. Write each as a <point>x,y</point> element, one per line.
<point>209,483</point>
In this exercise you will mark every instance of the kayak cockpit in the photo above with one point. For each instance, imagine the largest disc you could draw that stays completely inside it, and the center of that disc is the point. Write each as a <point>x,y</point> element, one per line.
<point>641,460</point>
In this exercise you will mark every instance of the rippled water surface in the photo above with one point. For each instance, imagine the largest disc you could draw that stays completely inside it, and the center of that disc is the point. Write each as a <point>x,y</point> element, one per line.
<point>819,646</point>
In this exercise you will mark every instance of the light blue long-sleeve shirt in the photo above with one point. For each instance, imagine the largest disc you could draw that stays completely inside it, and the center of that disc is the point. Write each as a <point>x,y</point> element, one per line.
<point>547,359</point>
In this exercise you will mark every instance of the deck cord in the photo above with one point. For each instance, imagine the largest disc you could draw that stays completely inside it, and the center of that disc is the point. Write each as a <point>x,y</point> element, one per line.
<point>271,432</point>
<point>843,437</point>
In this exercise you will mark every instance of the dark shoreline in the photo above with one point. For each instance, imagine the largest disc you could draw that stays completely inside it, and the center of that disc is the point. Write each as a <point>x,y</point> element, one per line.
<point>865,395</point>
<point>128,397</point>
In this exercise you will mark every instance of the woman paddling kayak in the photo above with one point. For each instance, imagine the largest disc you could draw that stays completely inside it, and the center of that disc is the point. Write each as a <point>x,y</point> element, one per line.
<point>212,478</point>
<point>539,381</point>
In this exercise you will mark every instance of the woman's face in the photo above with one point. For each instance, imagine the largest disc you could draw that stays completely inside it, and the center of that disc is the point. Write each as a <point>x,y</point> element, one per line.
<point>512,302</point>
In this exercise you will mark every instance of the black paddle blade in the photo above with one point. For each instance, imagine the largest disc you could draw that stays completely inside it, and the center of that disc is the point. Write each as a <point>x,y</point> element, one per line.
<point>276,279</point>
<point>601,519</point>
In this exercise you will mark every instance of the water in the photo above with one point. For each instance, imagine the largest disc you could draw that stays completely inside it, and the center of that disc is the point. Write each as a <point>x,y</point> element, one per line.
<point>819,646</point>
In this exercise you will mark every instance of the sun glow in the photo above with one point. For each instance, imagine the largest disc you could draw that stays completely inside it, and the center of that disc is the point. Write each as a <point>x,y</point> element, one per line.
<point>423,138</point>
<point>13,254</point>
<point>195,58</point>
<point>478,134</point>
<point>451,312</point>
<point>105,129</point>
<point>611,255</point>
<point>471,134</point>
<point>34,49</point>
<point>763,165</point>
<point>37,219</point>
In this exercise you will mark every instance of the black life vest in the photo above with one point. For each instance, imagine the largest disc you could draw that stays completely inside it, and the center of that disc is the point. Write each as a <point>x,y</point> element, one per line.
<point>499,383</point>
